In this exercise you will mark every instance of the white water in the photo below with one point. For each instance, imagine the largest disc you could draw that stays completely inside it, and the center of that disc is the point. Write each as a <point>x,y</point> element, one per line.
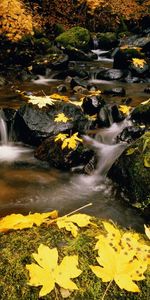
<point>42,80</point>
<point>100,53</point>
<point>10,152</point>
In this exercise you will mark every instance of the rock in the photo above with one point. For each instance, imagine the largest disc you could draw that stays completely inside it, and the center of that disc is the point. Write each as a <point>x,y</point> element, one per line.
<point>51,61</point>
<point>141,113</point>
<point>61,62</point>
<point>147,90</point>
<point>103,117</point>
<point>76,81</point>
<point>115,114</point>
<point>123,56</point>
<point>61,88</point>
<point>64,159</point>
<point>115,91</point>
<point>107,40</point>
<point>77,54</point>
<point>139,69</point>
<point>110,74</point>
<point>131,133</point>
<point>77,37</point>
<point>132,174</point>
<point>144,44</point>
<point>92,104</point>
<point>32,124</point>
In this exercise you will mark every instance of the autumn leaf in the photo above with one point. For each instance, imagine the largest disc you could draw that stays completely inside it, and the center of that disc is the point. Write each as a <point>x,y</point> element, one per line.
<point>147,161</point>
<point>145,102</point>
<point>125,109</point>
<point>61,118</point>
<point>47,272</point>
<point>138,62</point>
<point>71,142</point>
<point>130,151</point>
<point>18,221</point>
<point>113,236</point>
<point>68,222</point>
<point>120,266</point>
<point>147,231</point>
<point>61,137</point>
<point>59,97</point>
<point>41,101</point>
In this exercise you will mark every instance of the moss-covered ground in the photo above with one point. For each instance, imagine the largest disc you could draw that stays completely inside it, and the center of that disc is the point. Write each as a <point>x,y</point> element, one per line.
<point>16,248</point>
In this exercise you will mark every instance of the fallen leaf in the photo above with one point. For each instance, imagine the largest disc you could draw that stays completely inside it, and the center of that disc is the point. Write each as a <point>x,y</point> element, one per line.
<point>130,151</point>
<point>147,231</point>
<point>68,222</point>
<point>71,142</point>
<point>61,118</point>
<point>145,102</point>
<point>125,109</point>
<point>138,62</point>
<point>147,161</point>
<point>19,221</point>
<point>61,137</point>
<point>40,101</point>
<point>47,272</point>
<point>59,97</point>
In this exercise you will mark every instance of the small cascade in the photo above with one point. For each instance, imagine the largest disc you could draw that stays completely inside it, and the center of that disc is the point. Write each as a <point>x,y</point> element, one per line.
<point>102,55</point>
<point>9,151</point>
<point>45,80</point>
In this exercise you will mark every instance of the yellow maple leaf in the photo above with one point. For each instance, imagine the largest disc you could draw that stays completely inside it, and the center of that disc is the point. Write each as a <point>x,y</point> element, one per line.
<point>61,137</point>
<point>138,62</point>
<point>59,97</point>
<point>47,272</point>
<point>71,142</point>
<point>19,221</point>
<point>61,118</point>
<point>147,231</point>
<point>67,222</point>
<point>130,151</point>
<point>41,101</point>
<point>120,266</point>
<point>125,109</point>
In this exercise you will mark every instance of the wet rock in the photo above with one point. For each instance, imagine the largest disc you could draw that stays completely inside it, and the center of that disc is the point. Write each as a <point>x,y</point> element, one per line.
<point>147,90</point>
<point>144,44</point>
<point>141,113</point>
<point>123,56</point>
<point>92,104</point>
<point>76,81</point>
<point>115,91</point>
<point>52,61</point>
<point>104,117</point>
<point>77,37</point>
<point>107,40</point>
<point>79,89</point>
<point>116,114</point>
<point>139,70</point>
<point>32,125</point>
<point>131,133</point>
<point>61,88</point>
<point>61,62</point>
<point>132,174</point>
<point>111,74</point>
<point>77,54</point>
<point>64,159</point>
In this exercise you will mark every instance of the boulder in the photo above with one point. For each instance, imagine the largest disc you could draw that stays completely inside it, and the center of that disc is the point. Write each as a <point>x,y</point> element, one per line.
<point>92,104</point>
<point>107,40</point>
<point>123,56</point>
<point>141,113</point>
<point>118,91</point>
<point>77,37</point>
<point>111,74</point>
<point>132,172</point>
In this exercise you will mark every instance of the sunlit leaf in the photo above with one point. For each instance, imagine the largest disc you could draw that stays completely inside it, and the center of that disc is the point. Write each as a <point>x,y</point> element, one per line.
<point>59,97</point>
<point>68,222</point>
<point>61,118</point>
<point>71,142</point>
<point>47,272</point>
<point>138,62</point>
<point>61,137</point>
<point>145,102</point>
<point>41,101</point>
<point>130,151</point>
<point>18,221</point>
<point>147,161</point>
<point>147,231</point>
<point>125,109</point>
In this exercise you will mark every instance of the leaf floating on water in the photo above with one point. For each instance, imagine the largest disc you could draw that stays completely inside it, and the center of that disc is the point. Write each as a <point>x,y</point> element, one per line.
<point>47,272</point>
<point>61,118</point>
<point>41,101</point>
<point>125,109</point>
<point>19,221</point>
<point>68,222</point>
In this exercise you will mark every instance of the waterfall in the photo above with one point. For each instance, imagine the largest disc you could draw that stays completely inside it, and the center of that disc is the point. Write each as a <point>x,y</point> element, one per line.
<point>3,132</point>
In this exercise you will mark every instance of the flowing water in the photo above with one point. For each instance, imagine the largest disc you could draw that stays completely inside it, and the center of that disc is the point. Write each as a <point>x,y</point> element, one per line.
<point>28,185</point>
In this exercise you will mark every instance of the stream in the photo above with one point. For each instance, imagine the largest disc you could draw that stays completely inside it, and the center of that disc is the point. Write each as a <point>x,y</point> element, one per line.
<point>28,185</point>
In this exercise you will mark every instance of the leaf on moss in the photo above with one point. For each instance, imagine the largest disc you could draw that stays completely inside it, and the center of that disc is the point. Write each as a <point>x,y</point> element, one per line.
<point>70,222</point>
<point>147,161</point>
<point>47,272</point>
<point>125,109</point>
<point>40,101</point>
<point>61,118</point>
<point>147,231</point>
<point>18,221</point>
<point>130,151</point>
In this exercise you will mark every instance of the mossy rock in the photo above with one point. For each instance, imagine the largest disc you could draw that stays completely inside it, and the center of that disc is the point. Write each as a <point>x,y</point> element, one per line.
<point>131,171</point>
<point>77,37</point>
<point>141,113</point>
<point>107,40</point>
<point>16,249</point>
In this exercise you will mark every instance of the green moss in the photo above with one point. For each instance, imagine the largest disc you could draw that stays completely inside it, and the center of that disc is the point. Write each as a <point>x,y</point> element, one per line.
<point>77,37</point>
<point>16,248</point>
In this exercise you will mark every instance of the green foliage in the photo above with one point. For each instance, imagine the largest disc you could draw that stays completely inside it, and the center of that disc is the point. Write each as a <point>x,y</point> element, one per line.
<point>77,37</point>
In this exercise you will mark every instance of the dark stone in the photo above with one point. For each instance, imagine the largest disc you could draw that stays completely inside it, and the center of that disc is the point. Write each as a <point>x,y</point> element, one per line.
<point>131,133</point>
<point>116,114</point>
<point>115,91</point>
<point>92,104</point>
<point>76,54</point>
<point>64,159</point>
<point>77,82</point>
<point>32,125</point>
<point>61,62</point>
<point>147,90</point>
<point>61,88</point>
<point>111,74</point>
<point>141,113</point>
<point>104,117</point>
<point>123,57</point>
<point>107,40</point>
